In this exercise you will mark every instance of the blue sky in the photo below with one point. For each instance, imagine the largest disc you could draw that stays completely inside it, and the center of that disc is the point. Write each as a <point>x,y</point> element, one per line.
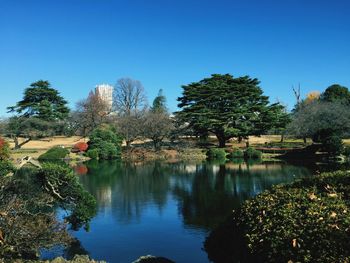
<point>77,44</point>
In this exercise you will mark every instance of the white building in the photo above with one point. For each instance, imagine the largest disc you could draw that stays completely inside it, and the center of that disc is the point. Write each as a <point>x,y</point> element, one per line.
<point>105,92</point>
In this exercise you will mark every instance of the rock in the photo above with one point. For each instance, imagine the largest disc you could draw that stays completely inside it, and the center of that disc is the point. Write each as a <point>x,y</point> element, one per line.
<point>152,259</point>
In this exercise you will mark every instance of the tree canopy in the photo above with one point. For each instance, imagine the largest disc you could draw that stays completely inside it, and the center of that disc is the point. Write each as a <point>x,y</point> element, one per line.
<point>227,106</point>
<point>41,101</point>
<point>336,92</point>
<point>159,103</point>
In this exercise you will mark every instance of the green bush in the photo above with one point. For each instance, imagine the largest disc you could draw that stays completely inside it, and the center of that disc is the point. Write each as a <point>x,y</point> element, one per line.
<point>6,167</point>
<point>333,145</point>
<point>307,221</point>
<point>216,153</point>
<point>251,153</point>
<point>106,143</point>
<point>236,154</point>
<point>93,153</point>
<point>346,151</point>
<point>55,153</point>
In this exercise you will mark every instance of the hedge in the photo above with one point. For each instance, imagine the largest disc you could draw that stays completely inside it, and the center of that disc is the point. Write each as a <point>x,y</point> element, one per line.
<point>307,221</point>
<point>55,153</point>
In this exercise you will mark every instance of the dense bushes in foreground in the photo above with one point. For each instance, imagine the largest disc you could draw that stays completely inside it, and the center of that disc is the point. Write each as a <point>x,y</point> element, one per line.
<point>307,221</point>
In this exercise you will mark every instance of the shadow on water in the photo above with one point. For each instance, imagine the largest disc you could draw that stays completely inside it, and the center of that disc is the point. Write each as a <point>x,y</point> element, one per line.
<point>167,209</point>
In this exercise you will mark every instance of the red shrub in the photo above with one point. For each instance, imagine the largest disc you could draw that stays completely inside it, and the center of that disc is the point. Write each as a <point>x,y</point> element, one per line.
<point>4,149</point>
<point>80,147</point>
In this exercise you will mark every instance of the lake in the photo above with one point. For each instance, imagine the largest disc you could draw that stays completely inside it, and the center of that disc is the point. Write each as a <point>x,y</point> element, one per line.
<point>167,209</point>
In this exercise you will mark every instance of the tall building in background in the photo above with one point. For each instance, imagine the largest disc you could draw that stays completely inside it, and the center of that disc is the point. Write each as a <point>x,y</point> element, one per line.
<point>105,92</point>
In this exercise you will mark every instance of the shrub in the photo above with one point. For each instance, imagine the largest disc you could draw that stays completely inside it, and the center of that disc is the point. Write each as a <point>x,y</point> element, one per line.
<point>237,154</point>
<point>80,147</point>
<point>333,145</point>
<point>251,153</point>
<point>55,153</point>
<point>216,153</point>
<point>346,151</point>
<point>106,142</point>
<point>6,167</point>
<point>4,149</point>
<point>92,153</point>
<point>307,221</point>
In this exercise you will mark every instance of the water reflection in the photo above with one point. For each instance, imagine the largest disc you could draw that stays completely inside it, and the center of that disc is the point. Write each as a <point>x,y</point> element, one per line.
<point>167,209</point>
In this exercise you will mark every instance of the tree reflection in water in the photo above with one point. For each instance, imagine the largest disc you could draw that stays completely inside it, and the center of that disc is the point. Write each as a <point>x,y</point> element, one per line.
<point>205,192</point>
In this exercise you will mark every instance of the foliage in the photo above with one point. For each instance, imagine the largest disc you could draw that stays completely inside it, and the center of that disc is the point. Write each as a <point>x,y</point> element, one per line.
<point>6,167</point>
<point>81,147</point>
<point>55,153</point>
<point>29,201</point>
<point>336,92</point>
<point>216,153</point>
<point>226,106</point>
<point>4,149</point>
<point>251,153</point>
<point>320,119</point>
<point>307,221</point>
<point>159,103</point>
<point>107,143</point>
<point>92,153</point>
<point>41,101</point>
<point>236,154</point>
<point>346,151</point>
<point>60,182</point>
<point>333,145</point>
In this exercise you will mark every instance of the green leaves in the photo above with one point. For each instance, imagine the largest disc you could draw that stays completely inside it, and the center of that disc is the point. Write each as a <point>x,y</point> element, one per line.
<point>42,101</point>
<point>228,107</point>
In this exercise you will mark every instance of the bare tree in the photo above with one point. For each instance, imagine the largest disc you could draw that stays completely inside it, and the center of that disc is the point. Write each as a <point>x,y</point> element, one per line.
<point>90,113</point>
<point>128,96</point>
<point>157,126</point>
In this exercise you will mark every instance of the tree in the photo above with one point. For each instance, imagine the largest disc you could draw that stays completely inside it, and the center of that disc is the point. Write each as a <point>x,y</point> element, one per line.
<point>157,126</point>
<point>159,103</point>
<point>128,96</point>
<point>226,106</point>
<point>130,126</point>
<point>336,92</point>
<point>130,103</point>
<point>28,128</point>
<point>41,101</point>
<point>90,113</point>
<point>29,201</point>
<point>279,118</point>
<point>321,120</point>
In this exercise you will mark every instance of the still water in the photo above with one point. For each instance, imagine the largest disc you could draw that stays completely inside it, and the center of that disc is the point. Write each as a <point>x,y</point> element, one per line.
<point>167,209</point>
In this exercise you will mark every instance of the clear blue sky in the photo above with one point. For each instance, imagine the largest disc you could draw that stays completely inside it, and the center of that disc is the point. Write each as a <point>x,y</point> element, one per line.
<point>77,44</point>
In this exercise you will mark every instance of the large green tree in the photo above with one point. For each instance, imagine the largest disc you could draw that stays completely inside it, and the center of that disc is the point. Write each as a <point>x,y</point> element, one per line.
<point>41,101</point>
<point>226,106</point>
<point>336,92</point>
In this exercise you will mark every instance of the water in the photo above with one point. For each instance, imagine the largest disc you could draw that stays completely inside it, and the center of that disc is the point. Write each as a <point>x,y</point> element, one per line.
<point>167,209</point>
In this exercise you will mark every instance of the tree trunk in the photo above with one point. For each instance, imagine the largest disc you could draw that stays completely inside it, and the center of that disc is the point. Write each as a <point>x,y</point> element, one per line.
<point>222,140</point>
<point>15,139</point>
<point>282,138</point>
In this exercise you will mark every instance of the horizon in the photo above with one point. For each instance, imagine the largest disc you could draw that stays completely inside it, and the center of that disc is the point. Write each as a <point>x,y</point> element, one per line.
<point>76,45</point>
